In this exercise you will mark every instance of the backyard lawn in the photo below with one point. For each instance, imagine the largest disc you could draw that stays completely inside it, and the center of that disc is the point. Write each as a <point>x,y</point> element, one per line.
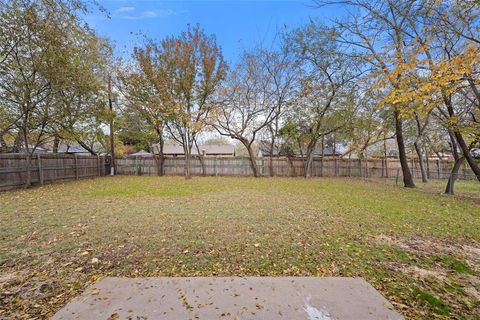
<point>421,250</point>
<point>463,188</point>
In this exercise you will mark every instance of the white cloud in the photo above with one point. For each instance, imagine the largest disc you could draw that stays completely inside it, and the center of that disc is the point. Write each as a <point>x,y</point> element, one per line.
<point>124,9</point>
<point>151,14</point>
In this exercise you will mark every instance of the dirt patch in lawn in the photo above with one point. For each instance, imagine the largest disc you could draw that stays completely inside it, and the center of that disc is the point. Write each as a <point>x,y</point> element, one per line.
<point>471,252</point>
<point>447,264</point>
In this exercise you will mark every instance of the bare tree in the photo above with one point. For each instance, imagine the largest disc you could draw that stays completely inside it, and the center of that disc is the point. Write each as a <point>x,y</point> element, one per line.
<point>325,83</point>
<point>246,104</point>
<point>281,70</point>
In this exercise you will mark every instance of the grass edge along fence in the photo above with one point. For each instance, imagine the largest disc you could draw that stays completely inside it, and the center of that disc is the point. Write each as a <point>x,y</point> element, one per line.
<point>47,168</point>
<point>283,167</point>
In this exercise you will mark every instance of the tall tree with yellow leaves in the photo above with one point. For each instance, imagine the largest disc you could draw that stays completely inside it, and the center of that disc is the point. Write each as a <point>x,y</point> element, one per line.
<point>442,73</point>
<point>379,30</point>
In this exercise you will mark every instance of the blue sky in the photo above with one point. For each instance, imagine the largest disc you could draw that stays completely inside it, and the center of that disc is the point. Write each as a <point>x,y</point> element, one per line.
<point>237,24</point>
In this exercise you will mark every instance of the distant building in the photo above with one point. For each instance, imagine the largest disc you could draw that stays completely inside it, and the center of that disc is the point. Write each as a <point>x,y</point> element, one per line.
<point>445,155</point>
<point>264,151</point>
<point>208,150</point>
<point>36,150</point>
<point>141,154</point>
<point>76,148</point>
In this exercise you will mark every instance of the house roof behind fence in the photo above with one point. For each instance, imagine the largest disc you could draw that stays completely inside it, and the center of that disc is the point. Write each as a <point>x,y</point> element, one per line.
<point>209,149</point>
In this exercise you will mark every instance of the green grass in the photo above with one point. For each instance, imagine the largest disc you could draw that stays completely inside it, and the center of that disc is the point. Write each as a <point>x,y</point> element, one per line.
<point>468,188</point>
<point>419,249</point>
<point>435,303</point>
<point>464,188</point>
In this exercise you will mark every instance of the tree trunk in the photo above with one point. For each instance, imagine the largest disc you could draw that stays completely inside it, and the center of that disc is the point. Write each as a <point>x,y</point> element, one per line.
<point>93,153</point>
<point>161,144</point>
<point>28,179</point>
<point>3,143</point>
<point>453,176</point>
<point>461,142</point>
<point>17,143</point>
<point>112,130</point>
<point>162,164</point>
<point>467,155</point>
<point>186,150</point>
<point>253,159</point>
<point>28,174</point>
<point>56,142</point>
<point>202,163</point>
<point>427,162</point>
<point>272,146</point>
<point>407,175</point>
<point>309,157</point>
<point>308,165</point>
<point>157,163</point>
<point>201,158</point>
<point>323,154</point>
<point>292,172</point>
<point>162,158</point>
<point>418,150</point>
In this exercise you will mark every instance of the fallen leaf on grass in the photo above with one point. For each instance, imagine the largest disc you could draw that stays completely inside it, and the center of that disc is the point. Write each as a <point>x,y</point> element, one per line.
<point>113,316</point>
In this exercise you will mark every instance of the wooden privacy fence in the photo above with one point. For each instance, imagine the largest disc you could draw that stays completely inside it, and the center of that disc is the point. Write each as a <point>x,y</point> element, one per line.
<point>45,168</point>
<point>327,167</point>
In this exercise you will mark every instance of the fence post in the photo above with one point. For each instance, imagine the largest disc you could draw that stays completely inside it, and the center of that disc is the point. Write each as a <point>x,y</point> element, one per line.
<point>386,167</point>
<point>360,167</point>
<point>98,165</point>
<point>102,165</point>
<point>321,166</point>
<point>383,168</point>
<point>367,172</point>
<point>136,166</point>
<point>438,168</point>
<point>336,167</point>
<point>40,169</point>
<point>413,168</point>
<point>215,166</point>
<point>428,166</point>
<point>75,159</point>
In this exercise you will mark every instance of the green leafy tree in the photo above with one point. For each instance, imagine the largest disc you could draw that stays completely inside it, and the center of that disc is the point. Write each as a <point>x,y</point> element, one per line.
<point>185,71</point>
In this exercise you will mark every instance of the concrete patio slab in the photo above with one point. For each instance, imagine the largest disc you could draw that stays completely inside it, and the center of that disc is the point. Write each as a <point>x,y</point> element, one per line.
<point>306,298</point>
